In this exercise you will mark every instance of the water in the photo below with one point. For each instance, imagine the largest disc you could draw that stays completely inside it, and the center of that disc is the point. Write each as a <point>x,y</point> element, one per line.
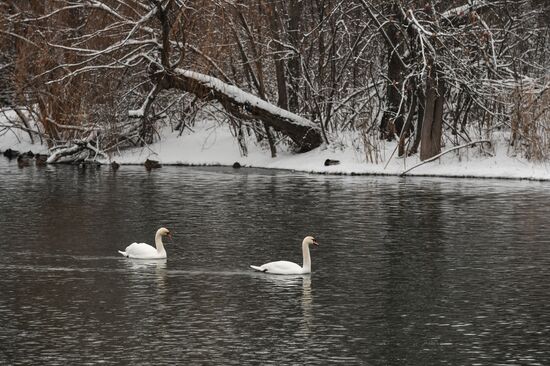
<point>409,271</point>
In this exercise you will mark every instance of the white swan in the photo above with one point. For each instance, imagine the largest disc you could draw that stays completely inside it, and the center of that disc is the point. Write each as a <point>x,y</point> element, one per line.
<point>146,251</point>
<point>286,267</point>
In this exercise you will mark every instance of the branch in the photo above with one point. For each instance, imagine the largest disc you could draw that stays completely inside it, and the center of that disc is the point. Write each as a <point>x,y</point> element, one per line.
<point>142,112</point>
<point>443,153</point>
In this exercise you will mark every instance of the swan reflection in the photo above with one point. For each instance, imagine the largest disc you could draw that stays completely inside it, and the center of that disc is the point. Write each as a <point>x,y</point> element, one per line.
<point>142,268</point>
<point>305,301</point>
<point>307,305</point>
<point>140,264</point>
<point>284,280</point>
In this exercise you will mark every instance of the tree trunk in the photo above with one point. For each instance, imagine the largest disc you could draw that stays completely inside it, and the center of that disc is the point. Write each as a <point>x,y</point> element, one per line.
<point>275,29</point>
<point>304,133</point>
<point>419,119</point>
<point>294,69</point>
<point>258,77</point>
<point>392,119</point>
<point>432,124</point>
<point>408,127</point>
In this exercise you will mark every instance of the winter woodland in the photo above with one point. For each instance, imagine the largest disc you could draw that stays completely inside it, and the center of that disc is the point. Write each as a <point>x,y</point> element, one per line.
<point>91,78</point>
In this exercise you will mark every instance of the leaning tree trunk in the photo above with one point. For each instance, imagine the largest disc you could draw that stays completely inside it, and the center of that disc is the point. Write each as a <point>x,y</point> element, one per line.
<point>304,133</point>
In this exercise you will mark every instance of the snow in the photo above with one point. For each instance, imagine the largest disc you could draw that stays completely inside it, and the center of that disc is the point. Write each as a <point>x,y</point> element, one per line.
<point>213,144</point>
<point>136,113</point>
<point>459,10</point>
<point>16,139</point>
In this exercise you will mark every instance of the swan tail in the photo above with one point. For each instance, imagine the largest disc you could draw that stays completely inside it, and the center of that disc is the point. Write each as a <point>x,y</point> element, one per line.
<point>258,268</point>
<point>123,253</point>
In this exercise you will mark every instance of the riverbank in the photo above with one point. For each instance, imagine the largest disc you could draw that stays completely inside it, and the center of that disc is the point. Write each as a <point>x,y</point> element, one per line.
<point>211,144</point>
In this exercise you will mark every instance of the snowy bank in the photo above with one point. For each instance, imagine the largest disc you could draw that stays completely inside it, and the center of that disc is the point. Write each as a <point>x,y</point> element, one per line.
<point>212,144</point>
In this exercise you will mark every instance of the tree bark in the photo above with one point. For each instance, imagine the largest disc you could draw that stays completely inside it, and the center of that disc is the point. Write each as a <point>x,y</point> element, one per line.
<point>408,127</point>
<point>294,69</point>
<point>432,124</point>
<point>419,119</point>
<point>282,94</point>
<point>392,120</point>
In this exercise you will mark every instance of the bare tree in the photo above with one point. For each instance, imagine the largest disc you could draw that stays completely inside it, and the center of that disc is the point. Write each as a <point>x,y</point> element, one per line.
<point>449,61</point>
<point>104,73</point>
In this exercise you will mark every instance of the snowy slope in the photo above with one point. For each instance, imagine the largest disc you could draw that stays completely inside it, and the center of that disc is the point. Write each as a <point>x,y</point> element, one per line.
<point>211,144</point>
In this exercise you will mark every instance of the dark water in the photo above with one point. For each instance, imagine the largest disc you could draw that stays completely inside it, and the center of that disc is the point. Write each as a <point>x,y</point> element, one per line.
<point>409,272</point>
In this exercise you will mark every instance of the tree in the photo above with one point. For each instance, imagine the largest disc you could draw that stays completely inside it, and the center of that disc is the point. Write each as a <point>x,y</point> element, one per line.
<point>149,40</point>
<point>450,60</point>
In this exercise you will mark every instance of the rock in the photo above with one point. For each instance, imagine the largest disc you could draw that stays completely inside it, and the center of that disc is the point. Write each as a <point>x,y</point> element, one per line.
<point>40,159</point>
<point>23,160</point>
<point>152,164</point>
<point>236,165</point>
<point>331,162</point>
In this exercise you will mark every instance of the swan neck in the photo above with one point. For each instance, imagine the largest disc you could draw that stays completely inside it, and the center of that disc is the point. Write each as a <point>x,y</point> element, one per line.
<point>307,258</point>
<point>158,243</point>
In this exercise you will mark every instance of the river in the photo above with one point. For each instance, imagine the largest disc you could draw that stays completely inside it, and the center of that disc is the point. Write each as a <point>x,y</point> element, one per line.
<point>409,271</point>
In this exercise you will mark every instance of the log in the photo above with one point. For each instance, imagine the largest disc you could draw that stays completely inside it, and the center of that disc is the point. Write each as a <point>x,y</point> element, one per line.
<point>303,132</point>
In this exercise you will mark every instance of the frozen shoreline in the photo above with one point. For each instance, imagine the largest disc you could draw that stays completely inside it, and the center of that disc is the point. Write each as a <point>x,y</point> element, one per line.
<point>212,145</point>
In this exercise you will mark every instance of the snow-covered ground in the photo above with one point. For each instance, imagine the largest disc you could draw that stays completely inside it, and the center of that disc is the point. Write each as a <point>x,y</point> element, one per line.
<point>212,144</point>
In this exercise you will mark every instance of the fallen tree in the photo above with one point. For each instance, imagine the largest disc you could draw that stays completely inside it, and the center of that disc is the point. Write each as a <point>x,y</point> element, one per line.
<point>243,105</point>
<point>77,148</point>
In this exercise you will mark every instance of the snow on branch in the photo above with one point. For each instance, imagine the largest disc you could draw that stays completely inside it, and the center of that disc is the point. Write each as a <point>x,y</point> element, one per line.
<point>246,99</point>
<point>72,149</point>
<point>305,133</point>
<point>464,9</point>
<point>141,112</point>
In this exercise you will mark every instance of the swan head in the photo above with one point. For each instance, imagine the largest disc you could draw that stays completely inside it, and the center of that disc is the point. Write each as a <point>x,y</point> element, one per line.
<point>310,240</point>
<point>164,232</point>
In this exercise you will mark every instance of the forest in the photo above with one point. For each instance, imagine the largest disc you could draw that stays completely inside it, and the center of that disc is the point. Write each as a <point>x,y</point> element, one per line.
<point>90,77</point>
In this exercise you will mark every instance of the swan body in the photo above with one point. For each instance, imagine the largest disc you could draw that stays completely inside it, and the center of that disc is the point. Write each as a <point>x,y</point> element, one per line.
<point>146,251</point>
<point>290,268</point>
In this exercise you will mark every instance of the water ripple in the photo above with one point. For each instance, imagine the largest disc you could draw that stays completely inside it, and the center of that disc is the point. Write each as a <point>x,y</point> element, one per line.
<point>409,271</point>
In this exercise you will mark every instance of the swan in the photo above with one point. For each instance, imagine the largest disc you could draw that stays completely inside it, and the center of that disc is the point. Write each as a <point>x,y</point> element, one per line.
<point>146,251</point>
<point>286,267</point>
